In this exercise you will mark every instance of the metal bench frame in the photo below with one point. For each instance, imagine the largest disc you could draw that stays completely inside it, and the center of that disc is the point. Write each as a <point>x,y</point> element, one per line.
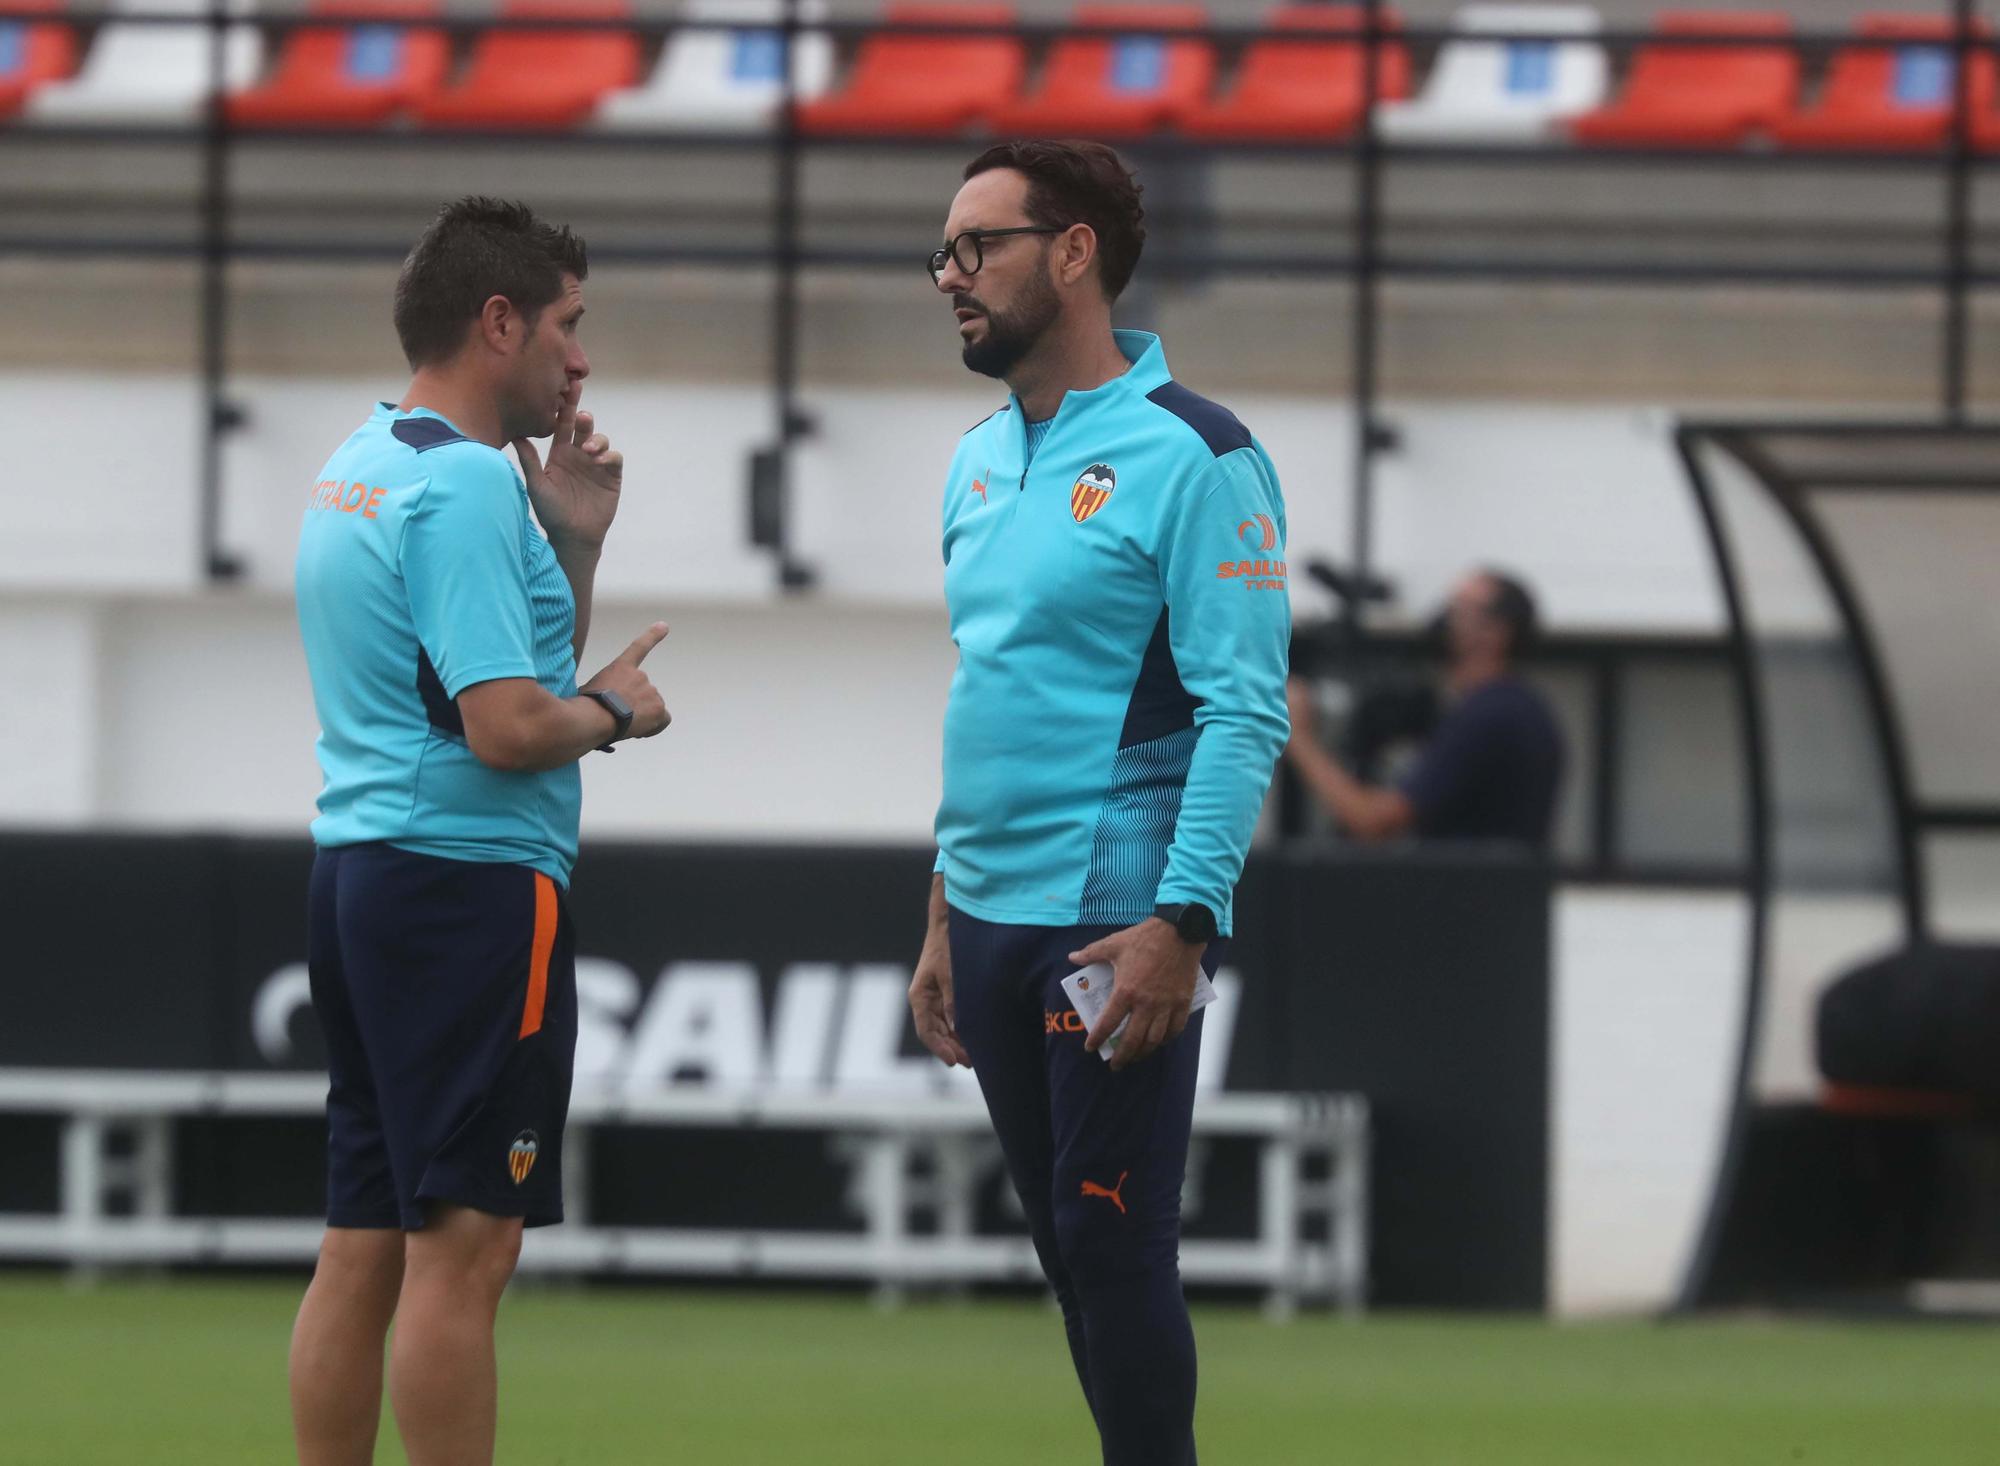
<point>907,1156</point>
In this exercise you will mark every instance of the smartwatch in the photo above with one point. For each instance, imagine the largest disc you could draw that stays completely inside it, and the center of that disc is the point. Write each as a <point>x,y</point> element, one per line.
<point>1192,921</point>
<point>615,705</point>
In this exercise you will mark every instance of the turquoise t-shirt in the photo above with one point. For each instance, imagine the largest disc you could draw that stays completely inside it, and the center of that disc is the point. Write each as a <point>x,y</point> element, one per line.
<point>420,573</point>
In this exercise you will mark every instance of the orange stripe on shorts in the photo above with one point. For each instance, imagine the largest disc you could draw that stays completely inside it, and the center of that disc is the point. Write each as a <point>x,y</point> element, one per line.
<point>538,961</point>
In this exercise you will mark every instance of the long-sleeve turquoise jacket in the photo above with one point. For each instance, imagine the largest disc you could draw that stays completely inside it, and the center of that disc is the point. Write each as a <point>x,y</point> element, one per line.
<point>1118,599</point>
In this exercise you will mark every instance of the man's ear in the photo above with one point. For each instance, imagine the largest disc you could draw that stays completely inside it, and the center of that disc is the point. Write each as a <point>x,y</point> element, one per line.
<point>1076,249</point>
<point>501,327</point>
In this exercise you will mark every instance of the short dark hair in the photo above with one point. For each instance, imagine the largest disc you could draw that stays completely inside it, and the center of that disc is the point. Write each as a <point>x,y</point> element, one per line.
<point>1514,607</point>
<point>475,249</point>
<point>1079,183</point>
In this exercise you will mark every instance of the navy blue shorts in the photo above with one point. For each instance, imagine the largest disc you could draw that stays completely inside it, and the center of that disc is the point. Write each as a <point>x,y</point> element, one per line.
<point>1098,1158</point>
<point>446,990</point>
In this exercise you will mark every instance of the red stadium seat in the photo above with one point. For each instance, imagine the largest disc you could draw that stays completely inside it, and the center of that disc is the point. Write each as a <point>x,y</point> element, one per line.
<point>1116,86</point>
<point>1292,90</point>
<point>1889,96</point>
<point>924,86</point>
<point>33,52</point>
<point>521,80</point>
<point>1702,96</point>
<point>355,75</point>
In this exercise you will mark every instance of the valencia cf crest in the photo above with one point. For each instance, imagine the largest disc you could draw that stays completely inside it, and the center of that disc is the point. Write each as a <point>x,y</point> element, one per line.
<point>521,1155</point>
<point>1092,491</point>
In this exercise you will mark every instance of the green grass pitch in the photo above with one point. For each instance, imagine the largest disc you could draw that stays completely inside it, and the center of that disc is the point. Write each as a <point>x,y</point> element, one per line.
<point>193,1370</point>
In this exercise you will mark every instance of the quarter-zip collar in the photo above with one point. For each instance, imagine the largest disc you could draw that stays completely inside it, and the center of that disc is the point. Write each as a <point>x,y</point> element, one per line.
<point>1147,373</point>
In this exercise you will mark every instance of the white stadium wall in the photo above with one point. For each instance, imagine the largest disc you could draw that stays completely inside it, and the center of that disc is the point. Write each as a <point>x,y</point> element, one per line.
<point>810,717</point>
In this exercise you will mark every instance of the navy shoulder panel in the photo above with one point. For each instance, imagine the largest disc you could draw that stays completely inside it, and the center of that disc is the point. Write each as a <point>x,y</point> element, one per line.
<point>422,433</point>
<point>1216,424</point>
<point>1009,407</point>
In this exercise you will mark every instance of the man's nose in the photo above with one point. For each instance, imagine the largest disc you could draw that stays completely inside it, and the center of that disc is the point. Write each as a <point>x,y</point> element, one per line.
<point>952,280</point>
<point>579,364</point>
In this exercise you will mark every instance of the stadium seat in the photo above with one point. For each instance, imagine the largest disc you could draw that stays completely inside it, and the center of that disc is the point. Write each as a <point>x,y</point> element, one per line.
<point>537,80</point>
<point>32,54</point>
<point>726,80</point>
<point>1292,90</point>
<point>156,74</point>
<point>1116,86</point>
<point>1702,96</point>
<point>1889,96</point>
<point>1506,91</point>
<point>352,75</point>
<point>924,86</point>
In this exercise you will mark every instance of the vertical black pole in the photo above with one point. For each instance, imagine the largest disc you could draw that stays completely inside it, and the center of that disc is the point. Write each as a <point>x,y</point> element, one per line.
<point>1958,218</point>
<point>217,415</point>
<point>785,299</point>
<point>1367,225</point>
<point>1607,695</point>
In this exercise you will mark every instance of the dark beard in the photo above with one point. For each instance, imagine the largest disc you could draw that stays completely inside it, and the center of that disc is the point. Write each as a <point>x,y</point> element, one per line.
<point>1012,336</point>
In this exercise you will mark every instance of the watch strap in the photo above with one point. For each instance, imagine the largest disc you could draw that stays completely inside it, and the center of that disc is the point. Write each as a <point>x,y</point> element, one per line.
<point>1193,922</point>
<point>620,714</point>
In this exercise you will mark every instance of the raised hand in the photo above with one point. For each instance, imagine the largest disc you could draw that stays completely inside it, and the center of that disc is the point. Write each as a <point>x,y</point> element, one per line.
<point>575,493</point>
<point>624,676</point>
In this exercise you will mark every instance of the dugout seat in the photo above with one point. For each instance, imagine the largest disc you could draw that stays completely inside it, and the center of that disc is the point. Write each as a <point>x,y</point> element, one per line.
<point>729,80</point>
<point>1710,96</point>
<point>358,74</point>
<point>1116,86</point>
<point>537,80</point>
<point>1506,91</point>
<point>33,53</point>
<point>158,74</point>
<point>1300,91</point>
<point>1898,96</point>
<point>924,86</point>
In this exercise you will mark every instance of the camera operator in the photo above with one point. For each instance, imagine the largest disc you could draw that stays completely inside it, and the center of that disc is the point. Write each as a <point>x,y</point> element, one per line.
<point>1491,767</point>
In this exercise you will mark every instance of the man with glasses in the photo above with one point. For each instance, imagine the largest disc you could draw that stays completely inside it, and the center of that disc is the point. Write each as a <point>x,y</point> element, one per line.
<point>1114,564</point>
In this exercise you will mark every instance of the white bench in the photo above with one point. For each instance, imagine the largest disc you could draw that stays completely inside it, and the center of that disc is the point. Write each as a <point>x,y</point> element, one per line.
<point>907,1156</point>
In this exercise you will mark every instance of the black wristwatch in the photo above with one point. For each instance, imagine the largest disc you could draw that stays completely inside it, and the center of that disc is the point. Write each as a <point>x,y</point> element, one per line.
<point>615,705</point>
<point>1194,922</point>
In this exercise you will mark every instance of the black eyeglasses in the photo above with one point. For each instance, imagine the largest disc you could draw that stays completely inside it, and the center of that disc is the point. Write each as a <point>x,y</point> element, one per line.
<point>968,250</point>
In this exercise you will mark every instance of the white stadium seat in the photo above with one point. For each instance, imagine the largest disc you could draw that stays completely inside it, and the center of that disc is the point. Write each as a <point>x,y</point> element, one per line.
<point>150,74</point>
<point>725,80</point>
<point>1502,91</point>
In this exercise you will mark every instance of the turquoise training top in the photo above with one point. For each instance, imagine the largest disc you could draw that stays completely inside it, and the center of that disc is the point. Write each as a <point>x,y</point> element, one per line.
<point>420,572</point>
<point>1120,609</point>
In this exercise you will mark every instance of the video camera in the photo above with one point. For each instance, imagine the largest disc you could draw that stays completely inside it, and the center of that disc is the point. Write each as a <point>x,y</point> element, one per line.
<point>1369,698</point>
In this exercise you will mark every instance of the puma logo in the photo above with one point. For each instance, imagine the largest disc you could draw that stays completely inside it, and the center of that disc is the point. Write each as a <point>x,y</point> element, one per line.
<point>979,489</point>
<point>1091,1188</point>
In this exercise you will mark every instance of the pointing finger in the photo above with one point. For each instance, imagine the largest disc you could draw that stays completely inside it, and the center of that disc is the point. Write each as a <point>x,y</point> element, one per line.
<point>581,429</point>
<point>643,643</point>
